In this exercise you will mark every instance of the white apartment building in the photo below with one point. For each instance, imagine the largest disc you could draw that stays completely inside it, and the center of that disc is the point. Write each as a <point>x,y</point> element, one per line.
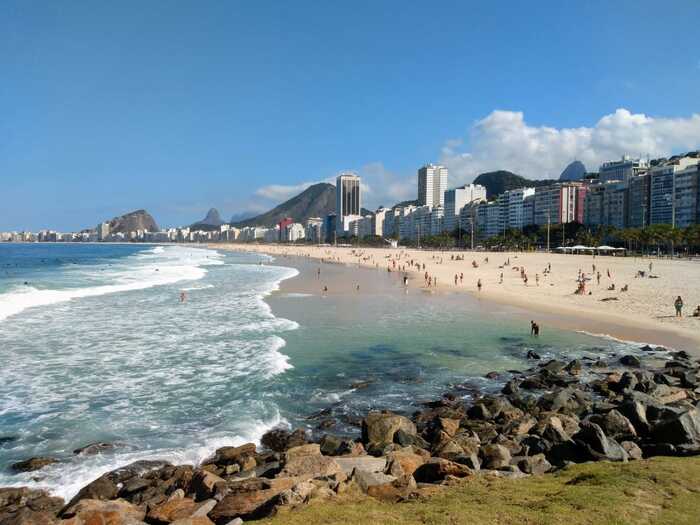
<point>515,214</point>
<point>432,184</point>
<point>457,199</point>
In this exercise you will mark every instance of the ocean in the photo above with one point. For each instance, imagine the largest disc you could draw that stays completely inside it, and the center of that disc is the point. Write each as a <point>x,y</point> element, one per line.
<point>96,346</point>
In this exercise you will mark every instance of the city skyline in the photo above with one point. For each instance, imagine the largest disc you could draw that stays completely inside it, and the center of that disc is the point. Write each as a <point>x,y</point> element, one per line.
<point>241,120</point>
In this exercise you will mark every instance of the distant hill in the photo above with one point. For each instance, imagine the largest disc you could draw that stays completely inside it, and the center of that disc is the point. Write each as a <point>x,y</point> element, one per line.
<point>315,201</point>
<point>212,221</point>
<point>496,182</point>
<point>574,171</point>
<point>135,220</point>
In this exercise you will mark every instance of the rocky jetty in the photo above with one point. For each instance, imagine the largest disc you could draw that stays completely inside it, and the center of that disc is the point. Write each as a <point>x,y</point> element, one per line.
<point>544,419</point>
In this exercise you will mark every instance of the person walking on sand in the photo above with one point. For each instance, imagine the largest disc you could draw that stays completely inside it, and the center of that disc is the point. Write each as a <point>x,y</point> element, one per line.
<point>679,306</point>
<point>478,284</point>
<point>318,273</point>
<point>456,279</point>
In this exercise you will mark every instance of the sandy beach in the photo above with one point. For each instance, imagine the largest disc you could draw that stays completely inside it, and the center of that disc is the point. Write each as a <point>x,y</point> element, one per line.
<point>644,312</point>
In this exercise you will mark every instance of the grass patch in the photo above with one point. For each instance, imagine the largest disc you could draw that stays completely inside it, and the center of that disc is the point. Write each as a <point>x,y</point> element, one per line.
<point>657,491</point>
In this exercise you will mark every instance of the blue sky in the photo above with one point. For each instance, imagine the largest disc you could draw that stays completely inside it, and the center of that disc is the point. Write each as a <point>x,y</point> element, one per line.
<point>176,107</point>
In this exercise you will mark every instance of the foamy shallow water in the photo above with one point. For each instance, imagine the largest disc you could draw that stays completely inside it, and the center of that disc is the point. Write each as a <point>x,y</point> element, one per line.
<point>102,349</point>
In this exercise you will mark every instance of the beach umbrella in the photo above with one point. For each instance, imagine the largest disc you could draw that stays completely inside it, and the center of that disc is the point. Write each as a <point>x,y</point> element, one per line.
<point>605,248</point>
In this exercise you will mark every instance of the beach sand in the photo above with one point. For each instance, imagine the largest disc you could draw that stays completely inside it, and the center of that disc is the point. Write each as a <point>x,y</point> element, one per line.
<point>644,313</point>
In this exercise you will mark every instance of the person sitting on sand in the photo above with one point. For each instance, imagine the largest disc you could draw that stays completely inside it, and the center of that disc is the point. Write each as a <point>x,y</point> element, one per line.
<point>611,287</point>
<point>625,288</point>
<point>679,306</point>
<point>696,312</point>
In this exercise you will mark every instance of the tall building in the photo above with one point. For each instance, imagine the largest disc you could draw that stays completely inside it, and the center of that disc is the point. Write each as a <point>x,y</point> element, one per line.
<point>103,230</point>
<point>514,213</point>
<point>559,203</point>
<point>663,194</point>
<point>347,199</point>
<point>638,201</point>
<point>622,169</point>
<point>457,199</point>
<point>432,184</point>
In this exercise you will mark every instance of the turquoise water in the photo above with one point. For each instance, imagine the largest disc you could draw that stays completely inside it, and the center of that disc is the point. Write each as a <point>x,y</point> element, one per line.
<point>98,347</point>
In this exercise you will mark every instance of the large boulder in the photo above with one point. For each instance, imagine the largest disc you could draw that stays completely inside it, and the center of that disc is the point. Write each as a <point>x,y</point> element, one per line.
<point>280,439</point>
<point>243,456</point>
<point>536,464</point>
<point>436,469</point>
<point>116,512</point>
<point>380,427</point>
<point>206,485</point>
<point>250,499</point>
<point>495,456</point>
<point>172,510</point>
<point>597,445</point>
<point>32,464</point>
<point>615,425</point>
<point>26,506</point>
<point>364,463</point>
<point>683,428</point>
<point>306,462</point>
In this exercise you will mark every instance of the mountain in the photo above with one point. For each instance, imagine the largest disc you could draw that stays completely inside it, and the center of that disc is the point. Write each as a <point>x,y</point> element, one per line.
<point>315,201</point>
<point>135,220</point>
<point>574,171</point>
<point>496,182</point>
<point>212,221</point>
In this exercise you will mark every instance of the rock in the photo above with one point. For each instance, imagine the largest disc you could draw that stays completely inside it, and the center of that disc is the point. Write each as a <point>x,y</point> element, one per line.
<point>100,489</point>
<point>172,510</point>
<point>568,400</point>
<point>24,506</point>
<point>116,512</point>
<point>635,411</point>
<point>195,520</point>
<point>448,425</point>
<point>331,445</point>
<point>683,428</point>
<point>495,456</point>
<point>364,463</point>
<point>598,446</point>
<point>479,411</point>
<point>365,479</point>
<point>243,456</point>
<point>403,463</point>
<point>32,464</point>
<point>436,469</point>
<point>511,387</point>
<point>531,354</point>
<point>306,466</point>
<point>631,360</point>
<point>380,427</point>
<point>536,464</point>
<point>93,448</point>
<point>298,494</point>
<point>279,439</point>
<point>407,439</point>
<point>206,485</point>
<point>633,451</point>
<point>250,499</point>
<point>574,367</point>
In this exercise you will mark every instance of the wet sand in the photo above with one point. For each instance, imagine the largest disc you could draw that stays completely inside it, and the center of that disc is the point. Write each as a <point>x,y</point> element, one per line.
<point>343,279</point>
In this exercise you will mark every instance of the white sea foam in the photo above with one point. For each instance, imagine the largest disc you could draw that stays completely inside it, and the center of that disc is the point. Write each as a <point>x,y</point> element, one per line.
<point>156,267</point>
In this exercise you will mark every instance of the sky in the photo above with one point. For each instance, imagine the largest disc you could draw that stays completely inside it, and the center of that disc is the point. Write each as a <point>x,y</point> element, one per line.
<point>177,106</point>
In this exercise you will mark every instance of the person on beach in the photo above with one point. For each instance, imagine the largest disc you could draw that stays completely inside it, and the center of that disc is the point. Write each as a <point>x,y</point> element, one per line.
<point>405,280</point>
<point>598,277</point>
<point>183,297</point>
<point>456,279</point>
<point>679,306</point>
<point>534,328</point>
<point>478,284</point>
<point>501,279</point>
<point>537,279</point>
<point>461,277</point>
<point>318,273</point>
<point>696,312</point>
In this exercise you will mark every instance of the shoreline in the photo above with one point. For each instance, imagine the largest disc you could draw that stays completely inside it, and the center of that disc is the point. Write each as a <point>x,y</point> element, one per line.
<point>550,310</point>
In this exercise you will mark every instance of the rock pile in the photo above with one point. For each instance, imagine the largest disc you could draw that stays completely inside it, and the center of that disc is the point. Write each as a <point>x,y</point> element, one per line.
<point>544,419</point>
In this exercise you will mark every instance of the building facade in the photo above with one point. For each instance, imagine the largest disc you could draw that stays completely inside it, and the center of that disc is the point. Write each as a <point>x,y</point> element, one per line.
<point>432,184</point>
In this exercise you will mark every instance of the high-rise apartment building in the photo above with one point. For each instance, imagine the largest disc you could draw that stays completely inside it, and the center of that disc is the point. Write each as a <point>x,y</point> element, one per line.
<point>432,184</point>
<point>622,169</point>
<point>347,200</point>
<point>457,199</point>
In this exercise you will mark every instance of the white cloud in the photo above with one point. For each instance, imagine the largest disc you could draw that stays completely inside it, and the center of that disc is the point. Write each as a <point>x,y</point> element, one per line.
<point>504,140</point>
<point>281,192</point>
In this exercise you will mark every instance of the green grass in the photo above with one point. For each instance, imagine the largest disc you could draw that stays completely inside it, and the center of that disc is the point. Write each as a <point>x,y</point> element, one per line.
<point>657,491</point>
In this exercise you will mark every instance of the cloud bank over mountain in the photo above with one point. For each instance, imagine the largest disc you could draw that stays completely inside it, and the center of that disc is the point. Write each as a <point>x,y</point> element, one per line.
<point>504,140</point>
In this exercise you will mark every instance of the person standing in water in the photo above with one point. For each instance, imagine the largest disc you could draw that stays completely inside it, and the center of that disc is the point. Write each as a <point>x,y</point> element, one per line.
<point>534,328</point>
<point>183,297</point>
